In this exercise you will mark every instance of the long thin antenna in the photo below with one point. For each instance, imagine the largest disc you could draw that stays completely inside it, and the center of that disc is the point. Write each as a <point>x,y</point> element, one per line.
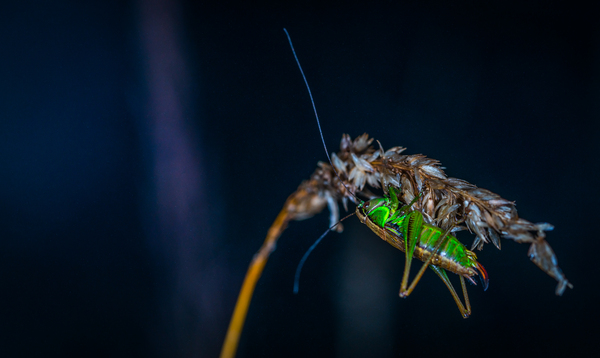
<point>301,263</point>
<point>317,116</point>
<point>309,93</point>
<point>310,249</point>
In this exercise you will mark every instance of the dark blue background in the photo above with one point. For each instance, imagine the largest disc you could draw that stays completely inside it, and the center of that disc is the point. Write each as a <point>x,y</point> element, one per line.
<point>96,261</point>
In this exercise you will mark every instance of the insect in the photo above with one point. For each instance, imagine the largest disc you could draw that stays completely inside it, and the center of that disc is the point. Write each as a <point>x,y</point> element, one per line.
<point>405,230</point>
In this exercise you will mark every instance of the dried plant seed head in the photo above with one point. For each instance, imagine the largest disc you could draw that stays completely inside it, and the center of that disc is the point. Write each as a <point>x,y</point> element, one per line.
<point>445,201</point>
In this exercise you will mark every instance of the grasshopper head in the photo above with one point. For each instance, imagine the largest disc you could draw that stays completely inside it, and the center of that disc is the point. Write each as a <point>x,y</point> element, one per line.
<point>376,210</point>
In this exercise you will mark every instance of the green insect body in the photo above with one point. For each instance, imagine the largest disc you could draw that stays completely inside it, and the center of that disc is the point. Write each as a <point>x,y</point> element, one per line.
<point>405,230</point>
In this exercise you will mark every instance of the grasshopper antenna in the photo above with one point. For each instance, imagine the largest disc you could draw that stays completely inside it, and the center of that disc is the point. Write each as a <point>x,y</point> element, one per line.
<point>310,249</point>
<point>317,117</point>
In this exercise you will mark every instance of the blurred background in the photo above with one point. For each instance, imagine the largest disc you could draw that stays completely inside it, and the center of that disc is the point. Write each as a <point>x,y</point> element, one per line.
<point>147,146</point>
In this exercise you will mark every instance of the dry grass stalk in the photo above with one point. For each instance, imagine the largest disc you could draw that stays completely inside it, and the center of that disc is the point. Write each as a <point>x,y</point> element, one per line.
<point>444,201</point>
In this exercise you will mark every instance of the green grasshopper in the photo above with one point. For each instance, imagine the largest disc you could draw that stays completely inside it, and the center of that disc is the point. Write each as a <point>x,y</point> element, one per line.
<point>406,230</point>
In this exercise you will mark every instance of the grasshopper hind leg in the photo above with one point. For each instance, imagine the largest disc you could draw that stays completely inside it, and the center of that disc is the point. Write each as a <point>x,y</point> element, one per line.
<point>411,232</point>
<point>464,311</point>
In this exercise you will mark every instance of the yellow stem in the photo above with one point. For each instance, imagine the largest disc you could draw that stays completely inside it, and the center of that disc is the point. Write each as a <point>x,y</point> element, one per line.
<point>252,275</point>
